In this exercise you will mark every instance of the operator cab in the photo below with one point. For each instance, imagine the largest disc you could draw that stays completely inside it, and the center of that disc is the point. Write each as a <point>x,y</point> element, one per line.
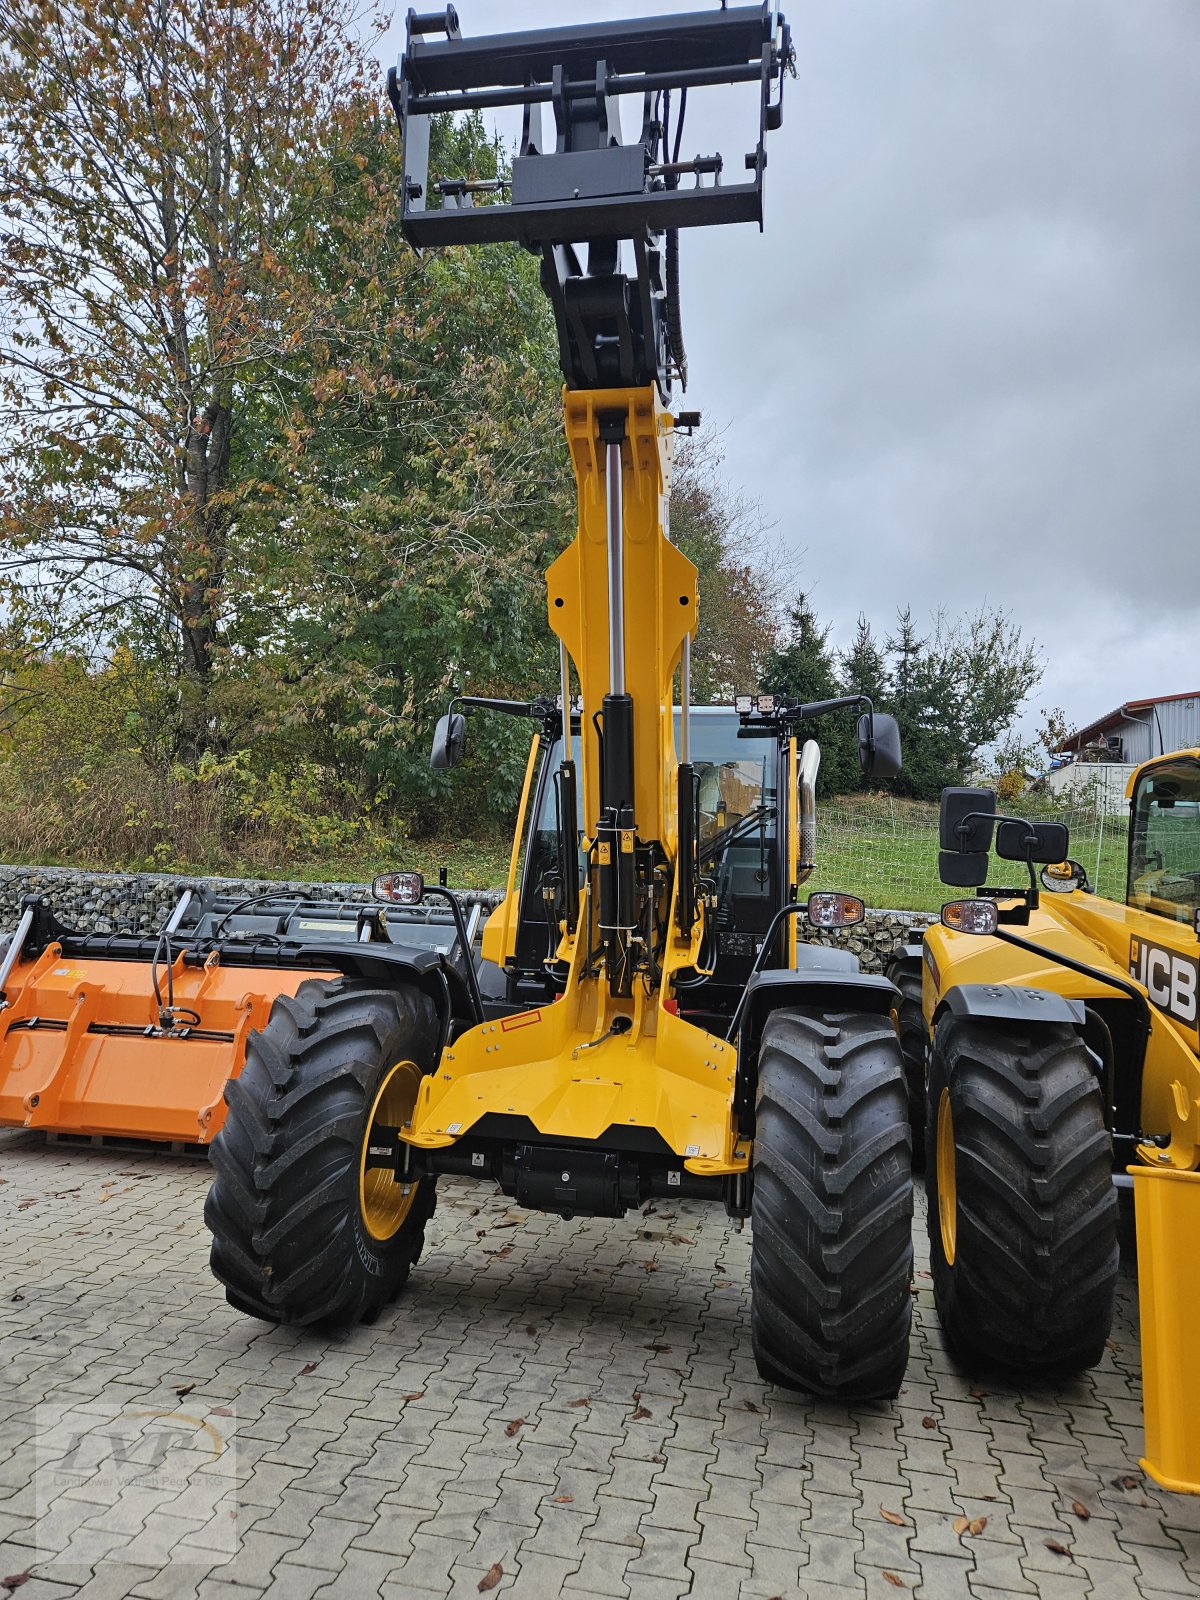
<point>738,783</point>
<point>1164,840</point>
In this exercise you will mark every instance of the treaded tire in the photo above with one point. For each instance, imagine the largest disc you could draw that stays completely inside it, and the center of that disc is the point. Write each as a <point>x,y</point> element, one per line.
<point>1036,1245</point>
<point>914,1046</point>
<point>290,1242</point>
<point>831,1263</point>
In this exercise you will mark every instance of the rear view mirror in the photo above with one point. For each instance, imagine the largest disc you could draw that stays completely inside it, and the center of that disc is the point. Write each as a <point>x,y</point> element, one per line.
<point>1062,877</point>
<point>1046,842</point>
<point>965,835</point>
<point>878,745</point>
<point>449,741</point>
<point>401,888</point>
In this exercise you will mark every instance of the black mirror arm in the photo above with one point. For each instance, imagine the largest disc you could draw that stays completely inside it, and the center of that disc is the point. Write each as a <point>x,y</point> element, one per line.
<point>1033,896</point>
<point>460,928</point>
<point>543,708</point>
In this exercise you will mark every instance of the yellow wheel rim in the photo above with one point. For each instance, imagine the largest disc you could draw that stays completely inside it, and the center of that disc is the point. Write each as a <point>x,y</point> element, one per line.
<point>385,1203</point>
<point>947,1183</point>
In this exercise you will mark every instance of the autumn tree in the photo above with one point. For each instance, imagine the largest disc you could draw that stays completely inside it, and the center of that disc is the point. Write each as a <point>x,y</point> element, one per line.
<point>745,579</point>
<point>158,159</point>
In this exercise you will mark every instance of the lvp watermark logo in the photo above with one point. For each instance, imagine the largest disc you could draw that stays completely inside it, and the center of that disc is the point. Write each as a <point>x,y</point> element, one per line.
<point>144,1485</point>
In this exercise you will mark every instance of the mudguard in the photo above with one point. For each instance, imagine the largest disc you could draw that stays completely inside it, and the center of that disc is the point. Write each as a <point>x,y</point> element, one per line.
<point>824,980</point>
<point>995,1002</point>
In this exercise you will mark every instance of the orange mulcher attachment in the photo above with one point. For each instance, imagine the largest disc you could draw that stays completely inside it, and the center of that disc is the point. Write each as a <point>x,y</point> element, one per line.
<point>134,1036</point>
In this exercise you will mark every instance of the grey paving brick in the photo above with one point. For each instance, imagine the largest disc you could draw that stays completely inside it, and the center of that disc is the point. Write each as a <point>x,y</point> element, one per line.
<point>347,1487</point>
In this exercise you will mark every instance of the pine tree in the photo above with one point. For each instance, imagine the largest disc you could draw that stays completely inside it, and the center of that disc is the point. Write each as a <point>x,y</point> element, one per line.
<point>804,669</point>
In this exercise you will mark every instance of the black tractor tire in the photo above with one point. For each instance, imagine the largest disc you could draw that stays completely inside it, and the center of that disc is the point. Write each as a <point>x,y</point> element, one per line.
<point>1025,1255</point>
<point>831,1207</point>
<point>914,1047</point>
<point>287,1208</point>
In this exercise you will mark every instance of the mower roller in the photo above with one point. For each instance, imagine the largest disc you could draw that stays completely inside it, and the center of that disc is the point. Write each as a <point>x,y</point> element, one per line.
<point>1052,1038</point>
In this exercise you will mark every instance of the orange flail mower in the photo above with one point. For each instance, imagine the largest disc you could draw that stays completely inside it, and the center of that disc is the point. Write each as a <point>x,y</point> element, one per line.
<point>134,1036</point>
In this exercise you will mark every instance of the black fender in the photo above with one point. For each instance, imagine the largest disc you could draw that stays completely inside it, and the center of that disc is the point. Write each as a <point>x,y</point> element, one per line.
<point>1003,1002</point>
<point>391,964</point>
<point>824,980</point>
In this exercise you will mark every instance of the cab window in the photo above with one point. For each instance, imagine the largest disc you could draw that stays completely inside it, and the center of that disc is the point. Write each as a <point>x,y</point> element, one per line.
<point>1164,847</point>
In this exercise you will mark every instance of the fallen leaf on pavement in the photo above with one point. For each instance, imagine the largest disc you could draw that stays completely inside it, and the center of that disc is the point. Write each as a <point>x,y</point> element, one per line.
<point>979,1394</point>
<point>960,1525</point>
<point>894,1517</point>
<point>309,1366</point>
<point>563,1499</point>
<point>976,1526</point>
<point>220,1411</point>
<point>16,1579</point>
<point>641,1414</point>
<point>750,1406</point>
<point>896,1583</point>
<point>1059,1549</point>
<point>514,1428</point>
<point>929,1422</point>
<point>531,1330</point>
<point>650,1266</point>
<point>417,1394</point>
<point>184,1388</point>
<point>1127,1480</point>
<point>659,1349</point>
<point>585,1401</point>
<point>491,1577</point>
<point>717,1267</point>
<point>1112,1344</point>
<point>505,1250</point>
<point>1080,1510</point>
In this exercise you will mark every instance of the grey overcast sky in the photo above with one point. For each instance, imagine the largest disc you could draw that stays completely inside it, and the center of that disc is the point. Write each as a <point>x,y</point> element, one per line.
<point>962,364</point>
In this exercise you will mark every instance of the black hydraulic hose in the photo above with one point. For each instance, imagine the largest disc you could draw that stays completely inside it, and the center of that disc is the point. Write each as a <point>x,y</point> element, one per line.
<point>674,313</point>
<point>674,305</point>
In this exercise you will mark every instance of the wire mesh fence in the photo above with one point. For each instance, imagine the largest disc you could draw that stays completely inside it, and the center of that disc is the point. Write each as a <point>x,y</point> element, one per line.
<point>885,850</point>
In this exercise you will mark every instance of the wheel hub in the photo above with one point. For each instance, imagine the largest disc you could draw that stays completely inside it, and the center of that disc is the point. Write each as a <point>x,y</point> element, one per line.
<point>385,1199</point>
<point>947,1184</point>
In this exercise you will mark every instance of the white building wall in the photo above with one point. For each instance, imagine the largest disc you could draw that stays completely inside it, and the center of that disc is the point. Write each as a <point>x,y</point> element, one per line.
<point>1100,784</point>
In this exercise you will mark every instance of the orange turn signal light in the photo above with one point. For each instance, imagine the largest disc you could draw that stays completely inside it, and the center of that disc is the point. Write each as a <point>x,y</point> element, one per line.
<point>971,916</point>
<point>830,910</point>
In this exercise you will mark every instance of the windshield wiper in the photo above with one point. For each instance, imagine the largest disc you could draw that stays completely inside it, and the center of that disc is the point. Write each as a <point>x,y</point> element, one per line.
<point>727,835</point>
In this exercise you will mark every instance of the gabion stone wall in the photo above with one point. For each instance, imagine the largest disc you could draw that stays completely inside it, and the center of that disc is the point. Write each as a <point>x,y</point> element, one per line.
<point>105,902</point>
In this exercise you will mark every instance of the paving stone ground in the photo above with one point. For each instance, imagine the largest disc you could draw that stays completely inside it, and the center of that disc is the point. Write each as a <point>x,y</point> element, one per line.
<point>568,1408</point>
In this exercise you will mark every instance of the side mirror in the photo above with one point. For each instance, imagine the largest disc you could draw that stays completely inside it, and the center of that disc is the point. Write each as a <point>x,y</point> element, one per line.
<point>401,888</point>
<point>1061,877</point>
<point>449,741</point>
<point>965,834</point>
<point>878,745</point>
<point>1033,841</point>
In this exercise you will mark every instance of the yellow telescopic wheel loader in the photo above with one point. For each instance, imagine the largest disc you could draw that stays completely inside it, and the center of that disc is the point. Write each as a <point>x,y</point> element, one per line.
<point>1055,1044</point>
<point>649,1023</point>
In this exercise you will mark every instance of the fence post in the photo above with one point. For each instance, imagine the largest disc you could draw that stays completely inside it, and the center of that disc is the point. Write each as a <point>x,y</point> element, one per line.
<point>1100,835</point>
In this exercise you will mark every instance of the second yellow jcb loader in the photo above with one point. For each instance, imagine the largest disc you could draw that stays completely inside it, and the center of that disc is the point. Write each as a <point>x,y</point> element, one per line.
<point>1053,1037</point>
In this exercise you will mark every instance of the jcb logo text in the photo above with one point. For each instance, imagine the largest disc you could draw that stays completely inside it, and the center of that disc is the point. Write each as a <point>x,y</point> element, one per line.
<point>1171,980</point>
